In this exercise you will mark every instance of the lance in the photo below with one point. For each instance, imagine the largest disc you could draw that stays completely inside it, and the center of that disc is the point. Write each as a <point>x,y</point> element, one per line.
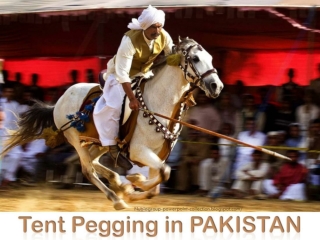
<point>217,135</point>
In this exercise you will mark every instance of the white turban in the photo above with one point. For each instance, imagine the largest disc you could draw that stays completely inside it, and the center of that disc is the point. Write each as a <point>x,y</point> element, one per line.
<point>148,17</point>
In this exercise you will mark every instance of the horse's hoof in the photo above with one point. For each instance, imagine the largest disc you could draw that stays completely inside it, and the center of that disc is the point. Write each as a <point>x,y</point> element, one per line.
<point>120,205</point>
<point>127,188</point>
<point>165,173</point>
<point>136,177</point>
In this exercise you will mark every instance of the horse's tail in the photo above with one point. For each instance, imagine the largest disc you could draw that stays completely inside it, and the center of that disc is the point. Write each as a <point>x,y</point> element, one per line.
<point>30,125</point>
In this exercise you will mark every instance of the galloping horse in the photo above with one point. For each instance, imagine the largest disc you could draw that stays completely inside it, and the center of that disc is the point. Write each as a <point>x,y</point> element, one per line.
<point>161,94</point>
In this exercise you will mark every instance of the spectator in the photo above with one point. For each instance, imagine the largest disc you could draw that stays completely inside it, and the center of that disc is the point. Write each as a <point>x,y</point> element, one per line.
<point>19,87</point>
<point>250,177</point>
<point>23,157</point>
<point>313,156</point>
<point>294,135</point>
<point>226,110</point>
<point>273,140</point>
<point>315,87</point>
<point>289,182</point>
<point>227,149</point>
<point>306,113</point>
<point>36,91</point>
<point>191,155</point>
<point>288,88</point>
<point>267,108</point>
<point>212,171</point>
<point>251,136</point>
<point>204,113</point>
<point>237,94</point>
<point>249,110</point>
<point>284,115</point>
<point>10,106</point>
<point>90,76</point>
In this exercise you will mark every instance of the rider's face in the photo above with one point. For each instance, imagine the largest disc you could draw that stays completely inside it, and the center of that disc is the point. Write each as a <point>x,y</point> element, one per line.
<point>153,31</point>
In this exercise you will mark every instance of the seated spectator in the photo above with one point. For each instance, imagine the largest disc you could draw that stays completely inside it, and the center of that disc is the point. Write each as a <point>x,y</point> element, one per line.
<point>250,177</point>
<point>313,158</point>
<point>23,158</point>
<point>275,163</point>
<point>251,136</point>
<point>289,182</point>
<point>227,149</point>
<point>212,171</point>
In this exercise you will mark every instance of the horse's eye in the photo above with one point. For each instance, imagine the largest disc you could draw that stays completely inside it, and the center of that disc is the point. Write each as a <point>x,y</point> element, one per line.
<point>195,59</point>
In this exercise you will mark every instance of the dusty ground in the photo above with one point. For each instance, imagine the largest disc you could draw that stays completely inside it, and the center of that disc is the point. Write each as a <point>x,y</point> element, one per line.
<point>49,199</point>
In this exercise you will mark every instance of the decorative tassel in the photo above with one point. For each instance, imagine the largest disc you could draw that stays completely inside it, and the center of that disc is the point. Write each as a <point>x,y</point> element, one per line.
<point>80,127</point>
<point>73,124</point>
<point>84,117</point>
<point>88,107</point>
<point>70,116</point>
<point>95,99</point>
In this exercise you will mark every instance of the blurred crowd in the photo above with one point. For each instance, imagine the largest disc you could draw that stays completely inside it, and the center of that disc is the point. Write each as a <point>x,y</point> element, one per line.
<point>284,119</point>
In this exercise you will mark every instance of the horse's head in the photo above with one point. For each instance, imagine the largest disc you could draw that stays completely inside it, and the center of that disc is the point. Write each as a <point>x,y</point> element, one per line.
<point>196,63</point>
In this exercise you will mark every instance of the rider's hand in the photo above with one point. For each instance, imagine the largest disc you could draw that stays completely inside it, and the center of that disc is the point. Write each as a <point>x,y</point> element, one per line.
<point>134,104</point>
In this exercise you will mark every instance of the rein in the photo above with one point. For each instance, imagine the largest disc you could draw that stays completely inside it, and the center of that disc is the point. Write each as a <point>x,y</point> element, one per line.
<point>197,77</point>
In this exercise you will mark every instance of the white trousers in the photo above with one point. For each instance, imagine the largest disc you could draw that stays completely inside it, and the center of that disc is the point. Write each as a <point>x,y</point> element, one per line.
<point>107,111</point>
<point>245,185</point>
<point>10,164</point>
<point>293,192</point>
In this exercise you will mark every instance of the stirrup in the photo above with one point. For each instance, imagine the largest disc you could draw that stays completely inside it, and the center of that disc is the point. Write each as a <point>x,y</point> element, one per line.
<point>120,160</point>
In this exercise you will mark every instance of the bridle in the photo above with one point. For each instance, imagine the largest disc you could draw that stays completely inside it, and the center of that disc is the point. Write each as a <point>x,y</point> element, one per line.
<point>197,77</point>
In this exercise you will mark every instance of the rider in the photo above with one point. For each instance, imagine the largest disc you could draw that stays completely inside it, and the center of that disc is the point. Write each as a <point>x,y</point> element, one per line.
<point>138,49</point>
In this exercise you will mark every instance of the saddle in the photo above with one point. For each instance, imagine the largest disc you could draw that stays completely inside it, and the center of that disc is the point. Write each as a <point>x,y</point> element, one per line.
<point>89,134</point>
<point>128,120</point>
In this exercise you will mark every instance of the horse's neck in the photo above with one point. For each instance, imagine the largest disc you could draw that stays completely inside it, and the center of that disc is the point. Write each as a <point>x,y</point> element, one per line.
<point>164,91</point>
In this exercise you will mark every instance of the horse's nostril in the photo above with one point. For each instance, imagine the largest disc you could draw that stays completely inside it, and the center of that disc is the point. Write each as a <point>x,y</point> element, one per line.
<point>213,86</point>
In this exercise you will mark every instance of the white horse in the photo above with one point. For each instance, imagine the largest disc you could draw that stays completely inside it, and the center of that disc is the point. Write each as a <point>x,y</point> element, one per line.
<point>161,94</point>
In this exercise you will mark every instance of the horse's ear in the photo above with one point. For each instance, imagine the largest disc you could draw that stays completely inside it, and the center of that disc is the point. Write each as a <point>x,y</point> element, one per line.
<point>187,38</point>
<point>179,39</point>
<point>174,49</point>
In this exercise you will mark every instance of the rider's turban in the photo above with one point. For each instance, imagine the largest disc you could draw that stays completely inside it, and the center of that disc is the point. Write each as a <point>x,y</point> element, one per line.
<point>148,17</point>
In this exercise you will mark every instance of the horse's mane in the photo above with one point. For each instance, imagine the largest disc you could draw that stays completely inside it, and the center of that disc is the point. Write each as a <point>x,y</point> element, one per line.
<point>161,62</point>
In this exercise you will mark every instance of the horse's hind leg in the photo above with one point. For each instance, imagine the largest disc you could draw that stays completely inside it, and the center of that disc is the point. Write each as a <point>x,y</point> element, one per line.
<point>89,171</point>
<point>113,177</point>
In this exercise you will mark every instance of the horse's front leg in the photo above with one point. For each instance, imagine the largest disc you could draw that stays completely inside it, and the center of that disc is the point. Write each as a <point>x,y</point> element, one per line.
<point>90,173</point>
<point>160,171</point>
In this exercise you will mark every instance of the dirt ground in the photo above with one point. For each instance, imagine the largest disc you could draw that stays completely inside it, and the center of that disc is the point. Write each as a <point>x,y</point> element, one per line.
<point>83,199</point>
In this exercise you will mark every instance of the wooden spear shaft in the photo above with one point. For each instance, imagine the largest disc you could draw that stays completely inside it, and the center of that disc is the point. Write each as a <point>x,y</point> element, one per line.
<point>218,135</point>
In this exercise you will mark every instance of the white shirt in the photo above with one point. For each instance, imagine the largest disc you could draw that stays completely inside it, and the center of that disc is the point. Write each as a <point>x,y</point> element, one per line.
<point>124,58</point>
<point>11,110</point>
<point>261,172</point>
<point>304,117</point>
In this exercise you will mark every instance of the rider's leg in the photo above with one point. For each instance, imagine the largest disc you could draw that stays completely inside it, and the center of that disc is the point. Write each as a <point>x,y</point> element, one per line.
<point>106,116</point>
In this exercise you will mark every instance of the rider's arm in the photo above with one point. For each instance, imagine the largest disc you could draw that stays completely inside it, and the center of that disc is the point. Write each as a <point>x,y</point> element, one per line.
<point>123,64</point>
<point>124,60</point>
<point>169,43</point>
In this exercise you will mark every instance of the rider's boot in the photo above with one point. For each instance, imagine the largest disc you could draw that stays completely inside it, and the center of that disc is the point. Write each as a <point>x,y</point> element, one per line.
<point>119,159</point>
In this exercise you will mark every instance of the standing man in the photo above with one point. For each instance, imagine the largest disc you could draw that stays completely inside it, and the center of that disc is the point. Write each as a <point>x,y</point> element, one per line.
<point>138,49</point>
